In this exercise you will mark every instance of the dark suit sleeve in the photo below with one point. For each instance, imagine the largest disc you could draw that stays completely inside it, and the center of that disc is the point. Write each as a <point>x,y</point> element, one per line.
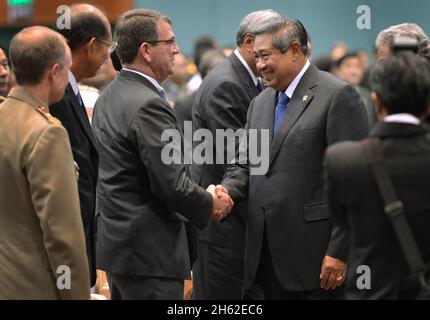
<point>226,109</point>
<point>236,178</point>
<point>339,241</point>
<point>169,181</point>
<point>347,120</point>
<point>331,194</point>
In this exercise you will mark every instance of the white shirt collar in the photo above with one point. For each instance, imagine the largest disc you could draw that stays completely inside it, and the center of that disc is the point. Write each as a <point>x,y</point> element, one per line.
<point>73,83</point>
<point>152,80</point>
<point>293,85</point>
<point>254,78</point>
<point>402,118</point>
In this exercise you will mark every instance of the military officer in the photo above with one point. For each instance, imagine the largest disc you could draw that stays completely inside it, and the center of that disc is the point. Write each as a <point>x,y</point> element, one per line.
<point>42,246</point>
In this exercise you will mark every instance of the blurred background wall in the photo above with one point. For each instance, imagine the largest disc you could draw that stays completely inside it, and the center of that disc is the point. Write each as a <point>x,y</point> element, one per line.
<point>327,21</point>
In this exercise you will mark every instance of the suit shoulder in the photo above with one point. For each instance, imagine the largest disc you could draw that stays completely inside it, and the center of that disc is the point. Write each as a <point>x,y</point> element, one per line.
<point>329,80</point>
<point>222,73</point>
<point>264,96</point>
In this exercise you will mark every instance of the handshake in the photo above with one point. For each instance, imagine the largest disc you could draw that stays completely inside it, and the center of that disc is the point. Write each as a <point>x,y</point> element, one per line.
<point>222,202</point>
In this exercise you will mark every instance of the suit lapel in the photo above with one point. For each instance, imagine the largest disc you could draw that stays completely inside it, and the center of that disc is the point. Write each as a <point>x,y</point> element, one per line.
<point>244,76</point>
<point>80,114</point>
<point>300,100</point>
<point>267,117</point>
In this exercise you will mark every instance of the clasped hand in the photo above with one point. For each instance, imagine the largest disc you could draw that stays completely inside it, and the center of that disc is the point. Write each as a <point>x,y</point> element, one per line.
<point>222,202</point>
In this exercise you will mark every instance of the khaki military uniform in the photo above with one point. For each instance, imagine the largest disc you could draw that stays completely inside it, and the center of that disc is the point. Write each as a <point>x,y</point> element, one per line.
<point>41,233</point>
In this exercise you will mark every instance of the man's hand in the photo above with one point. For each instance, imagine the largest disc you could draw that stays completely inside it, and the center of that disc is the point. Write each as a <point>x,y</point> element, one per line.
<point>222,202</point>
<point>333,273</point>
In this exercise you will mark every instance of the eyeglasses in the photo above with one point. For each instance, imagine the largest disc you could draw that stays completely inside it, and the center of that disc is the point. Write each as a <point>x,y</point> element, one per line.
<point>114,44</point>
<point>170,42</point>
<point>108,44</point>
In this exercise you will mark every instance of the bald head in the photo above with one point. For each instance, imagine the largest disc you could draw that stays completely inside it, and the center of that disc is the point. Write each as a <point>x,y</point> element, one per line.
<point>84,8</point>
<point>33,51</point>
<point>87,22</point>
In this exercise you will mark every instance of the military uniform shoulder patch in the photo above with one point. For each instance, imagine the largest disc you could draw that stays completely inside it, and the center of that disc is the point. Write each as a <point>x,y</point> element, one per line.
<point>48,116</point>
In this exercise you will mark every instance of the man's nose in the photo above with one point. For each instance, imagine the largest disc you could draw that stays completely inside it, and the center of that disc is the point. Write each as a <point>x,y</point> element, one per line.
<point>176,48</point>
<point>261,64</point>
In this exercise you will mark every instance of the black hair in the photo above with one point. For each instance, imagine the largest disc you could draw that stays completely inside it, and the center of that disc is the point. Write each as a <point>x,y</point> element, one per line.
<point>84,26</point>
<point>402,83</point>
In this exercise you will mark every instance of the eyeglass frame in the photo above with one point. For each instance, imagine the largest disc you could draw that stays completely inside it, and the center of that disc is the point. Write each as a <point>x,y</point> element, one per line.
<point>169,42</point>
<point>114,44</point>
<point>108,44</point>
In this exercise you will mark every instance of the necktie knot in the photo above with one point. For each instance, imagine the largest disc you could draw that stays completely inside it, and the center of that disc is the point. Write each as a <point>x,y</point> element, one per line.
<point>283,99</point>
<point>281,108</point>
<point>79,97</point>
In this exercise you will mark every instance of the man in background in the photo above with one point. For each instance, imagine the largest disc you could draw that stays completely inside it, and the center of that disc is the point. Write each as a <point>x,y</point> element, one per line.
<point>411,30</point>
<point>401,92</point>
<point>4,74</point>
<point>88,39</point>
<point>350,69</point>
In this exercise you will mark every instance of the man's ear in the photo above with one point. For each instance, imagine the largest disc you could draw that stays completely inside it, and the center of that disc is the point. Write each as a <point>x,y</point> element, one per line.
<point>144,52</point>
<point>248,42</point>
<point>90,46</point>
<point>296,48</point>
<point>378,104</point>
<point>53,72</point>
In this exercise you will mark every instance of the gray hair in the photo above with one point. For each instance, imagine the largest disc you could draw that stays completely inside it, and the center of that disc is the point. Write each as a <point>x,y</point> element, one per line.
<point>285,31</point>
<point>386,37</point>
<point>252,22</point>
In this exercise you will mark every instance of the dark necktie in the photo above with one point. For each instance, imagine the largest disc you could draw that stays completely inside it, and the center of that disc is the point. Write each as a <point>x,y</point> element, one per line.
<point>260,86</point>
<point>79,97</point>
<point>281,108</point>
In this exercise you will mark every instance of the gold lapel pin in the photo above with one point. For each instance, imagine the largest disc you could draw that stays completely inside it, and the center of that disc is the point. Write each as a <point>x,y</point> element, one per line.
<point>305,98</point>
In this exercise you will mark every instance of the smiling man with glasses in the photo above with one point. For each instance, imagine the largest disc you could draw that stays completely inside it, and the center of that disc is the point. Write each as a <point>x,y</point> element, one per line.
<point>89,40</point>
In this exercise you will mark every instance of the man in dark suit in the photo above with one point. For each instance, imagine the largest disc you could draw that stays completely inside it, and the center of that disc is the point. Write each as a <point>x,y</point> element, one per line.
<point>143,199</point>
<point>221,103</point>
<point>88,39</point>
<point>292,251</point>
<point>403,104</point>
